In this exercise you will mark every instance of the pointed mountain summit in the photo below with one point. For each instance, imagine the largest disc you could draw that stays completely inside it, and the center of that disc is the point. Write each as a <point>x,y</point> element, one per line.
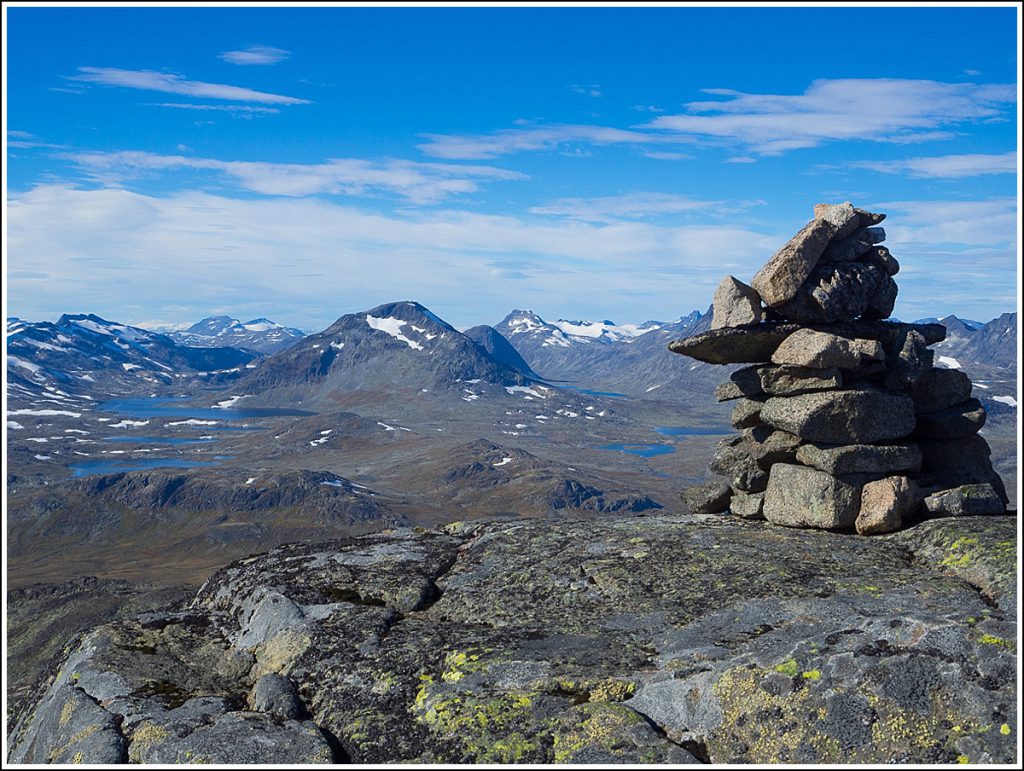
<point>398,346</point>
<point>492,341</point>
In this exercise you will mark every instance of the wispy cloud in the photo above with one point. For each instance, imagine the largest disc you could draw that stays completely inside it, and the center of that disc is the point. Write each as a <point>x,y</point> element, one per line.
<point>169,83</point>
<point>918,225</point>
<point>835,110</point>
<point>946,166</point>
<point>632,206</point>
<point>593,90</point>
<point>242,109</point>
<point>507,141</point>
<point>664,155</point>
<point>255,54</point>
<point>878,110</point>
<point>422,183</point>
<point>26,141</point>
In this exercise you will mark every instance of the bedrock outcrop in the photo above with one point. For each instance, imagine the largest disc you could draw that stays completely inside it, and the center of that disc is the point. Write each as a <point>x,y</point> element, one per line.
<point>652,639</point>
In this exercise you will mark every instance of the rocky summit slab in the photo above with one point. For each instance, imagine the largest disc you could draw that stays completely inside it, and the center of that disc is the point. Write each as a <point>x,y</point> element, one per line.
<point>555,641</point>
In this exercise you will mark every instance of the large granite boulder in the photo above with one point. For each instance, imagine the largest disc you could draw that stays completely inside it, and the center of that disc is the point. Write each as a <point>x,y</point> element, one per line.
<point>781,277</point>
<point>797,496</point>
<point>884,503</point>
<point>958,421</point>
<point>965,501</point>
<point>842,215</point>
<point>838,459</point>
<point>707,498</point>
<point>821,350</point>
<point>939,389</point>
<point>757,343</point>
<point>734,458</point>
<point>856,416</point>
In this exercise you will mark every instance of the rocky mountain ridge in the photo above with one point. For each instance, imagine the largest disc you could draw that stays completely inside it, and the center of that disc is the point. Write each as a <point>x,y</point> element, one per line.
<point>560,642</point>
<point>83,352</point>
<point>262,335</point>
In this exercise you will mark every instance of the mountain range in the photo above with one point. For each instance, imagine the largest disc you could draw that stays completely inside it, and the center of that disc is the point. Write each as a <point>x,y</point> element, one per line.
<point>85,351</point>
<point>262,335</point>
<point>405,346</point>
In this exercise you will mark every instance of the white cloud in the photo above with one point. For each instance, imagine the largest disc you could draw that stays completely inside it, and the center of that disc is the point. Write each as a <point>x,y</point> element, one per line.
<point>417,182</point>
<point>629,206</point>
<point>835,110</point>
<point>593,90</point>
<point>485,146</point>
<point>879,110</point>
<point>112,249</point>
<point>150,80</point>
<point>244,109</point>
<point>255,55</point>
<point>665,156</point>
<point>916,226</point>
<point>26,141</point>
<point>946,166</point>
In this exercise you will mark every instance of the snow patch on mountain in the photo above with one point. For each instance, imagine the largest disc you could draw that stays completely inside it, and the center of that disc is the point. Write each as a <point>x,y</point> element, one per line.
<point>393,327</point>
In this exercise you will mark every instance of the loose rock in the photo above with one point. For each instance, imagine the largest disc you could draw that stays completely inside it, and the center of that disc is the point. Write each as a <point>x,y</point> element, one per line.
<point>939,389</point>
<point>778,281</point>
<point>708,498</point>
<point>808,348</point>
<point>837,459</point>
<point>797,496</point>
<point>735,305</point>
<point>960,420</point>
<point>965,501</point>
<point>842,215</point>
<point>859,416</point>
<point>747,505</point>
<point>884,503</point>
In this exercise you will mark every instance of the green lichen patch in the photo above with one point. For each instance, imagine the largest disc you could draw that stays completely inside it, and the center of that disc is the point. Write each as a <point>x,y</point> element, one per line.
<point>601,726</point>
<point>487,728</point>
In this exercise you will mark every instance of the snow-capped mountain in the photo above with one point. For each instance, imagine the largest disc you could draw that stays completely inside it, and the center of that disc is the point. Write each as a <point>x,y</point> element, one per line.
<point>398,346</point>
<point>526,330</point>
<point>260,334</point>
<point>81,350</point>
<point>627,358</point>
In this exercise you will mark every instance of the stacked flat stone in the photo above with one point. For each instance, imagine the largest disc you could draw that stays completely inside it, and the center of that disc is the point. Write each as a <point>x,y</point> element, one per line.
<point>845,422</point>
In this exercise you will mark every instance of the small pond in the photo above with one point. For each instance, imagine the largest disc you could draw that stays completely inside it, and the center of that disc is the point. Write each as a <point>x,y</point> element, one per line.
<point>89,467</point>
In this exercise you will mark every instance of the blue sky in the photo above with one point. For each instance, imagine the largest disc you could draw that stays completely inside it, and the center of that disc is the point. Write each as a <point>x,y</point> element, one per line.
<point>166,164</point>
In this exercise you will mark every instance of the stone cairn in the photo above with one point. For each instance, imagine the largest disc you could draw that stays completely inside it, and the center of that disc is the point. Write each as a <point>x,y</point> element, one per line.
<point>845,422</point>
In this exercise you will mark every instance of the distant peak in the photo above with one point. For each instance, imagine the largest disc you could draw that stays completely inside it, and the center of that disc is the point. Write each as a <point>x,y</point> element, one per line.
<point>408,310</point>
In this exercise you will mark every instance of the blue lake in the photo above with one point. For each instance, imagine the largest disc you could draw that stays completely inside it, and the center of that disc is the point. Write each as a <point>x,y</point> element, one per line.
<point>88,467</point>
<point>686,431</point>
<point>643,450</point>
<point>155,439</point>
<point>590,392</point>
<point>174,408</point>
